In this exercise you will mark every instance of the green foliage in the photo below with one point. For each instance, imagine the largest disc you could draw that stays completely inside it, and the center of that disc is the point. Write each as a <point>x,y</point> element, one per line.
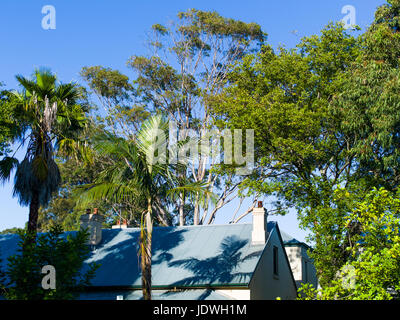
<point>204,46</point>
<point>372,270</point>
<point>369,102</point>
<point>188,64</point>
<point>325,117</point>
<point>284,97</point>
<point>2,280</point>
<point>11,230</point>
<point>214,24</point>
<point>110,84</point>
<point>115,93</point>
<point>8,125</point>
<point>64,207</point>
<point>301,157</point>
<point>134,174</point>
<point>65,253</point>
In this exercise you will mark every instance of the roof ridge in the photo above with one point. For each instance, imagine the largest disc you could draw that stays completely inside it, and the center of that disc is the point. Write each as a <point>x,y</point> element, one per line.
<point>187,226</point>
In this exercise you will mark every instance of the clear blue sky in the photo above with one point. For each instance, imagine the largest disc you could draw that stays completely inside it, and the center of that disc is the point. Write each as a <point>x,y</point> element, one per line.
<point>94,32</point>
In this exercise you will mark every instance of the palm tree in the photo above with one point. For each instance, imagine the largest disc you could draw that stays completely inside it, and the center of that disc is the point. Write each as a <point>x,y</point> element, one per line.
<point>136,173</point>
<point>50,119</point>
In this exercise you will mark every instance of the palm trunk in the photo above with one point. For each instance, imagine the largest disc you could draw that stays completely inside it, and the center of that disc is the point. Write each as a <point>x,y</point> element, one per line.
<point>32,222</point>
<point>196,214</point>
<point>145,239</point>
<point>181,210</point>
<point>33,213</point>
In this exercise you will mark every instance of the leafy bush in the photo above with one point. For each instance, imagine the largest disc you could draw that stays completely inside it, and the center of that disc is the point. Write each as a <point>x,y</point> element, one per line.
<point>22,280</point>
<point>372,271</point>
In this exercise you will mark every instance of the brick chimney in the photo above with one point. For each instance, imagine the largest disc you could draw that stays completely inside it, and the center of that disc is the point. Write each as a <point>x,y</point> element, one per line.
<point>259,233</point>
<point>92,222</point>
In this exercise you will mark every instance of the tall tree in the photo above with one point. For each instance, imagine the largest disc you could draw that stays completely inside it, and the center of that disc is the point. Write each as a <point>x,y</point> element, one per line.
<point>325,116</point>
<point>187,65</point>
<point>369,103</point>
<point>301,156</point>
<point>51,118</point>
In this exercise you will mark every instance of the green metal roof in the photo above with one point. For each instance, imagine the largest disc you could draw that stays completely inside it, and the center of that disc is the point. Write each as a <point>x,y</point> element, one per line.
<point>197,257</point>
<point>288,241</point>
<point>192,256</point>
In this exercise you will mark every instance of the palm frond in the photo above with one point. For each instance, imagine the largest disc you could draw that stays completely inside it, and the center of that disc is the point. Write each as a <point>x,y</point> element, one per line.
<point>6,167</point>
<point>193,190</point>
<point>114,192</point>
<point>152,137</point>
<point>29,179</point>
<point>45,81</point>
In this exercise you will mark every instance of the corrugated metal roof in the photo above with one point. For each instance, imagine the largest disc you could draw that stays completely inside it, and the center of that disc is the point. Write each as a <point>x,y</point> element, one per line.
<point>8,247</point>
<point>288,240</point>
<point>190,256</point>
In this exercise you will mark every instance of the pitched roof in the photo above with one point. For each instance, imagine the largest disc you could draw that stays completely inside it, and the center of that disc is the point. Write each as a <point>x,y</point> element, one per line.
<point>288,240</point>
<point>190,256</point>
<point>211,256</point>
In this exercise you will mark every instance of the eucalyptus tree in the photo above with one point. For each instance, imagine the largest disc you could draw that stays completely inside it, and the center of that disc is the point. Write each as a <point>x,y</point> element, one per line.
<point>50,117</point>
<point>141,173</point>
<point>300,152</point>
<point>187,65</point>
<point>326,115</point>
<point>369,103</point>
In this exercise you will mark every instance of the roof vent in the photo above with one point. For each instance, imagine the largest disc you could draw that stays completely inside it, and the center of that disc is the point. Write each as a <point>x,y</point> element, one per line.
<point>259,233</point>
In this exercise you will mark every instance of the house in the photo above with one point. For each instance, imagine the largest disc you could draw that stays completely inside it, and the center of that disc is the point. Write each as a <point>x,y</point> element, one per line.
<point>219,262</point>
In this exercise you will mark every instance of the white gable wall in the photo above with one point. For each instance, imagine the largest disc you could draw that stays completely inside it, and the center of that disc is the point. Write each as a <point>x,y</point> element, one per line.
<point>265,285</point>
<point>302,266</point>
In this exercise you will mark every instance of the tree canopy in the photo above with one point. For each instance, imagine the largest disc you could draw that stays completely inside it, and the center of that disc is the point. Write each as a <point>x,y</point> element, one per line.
<point>325,117</point>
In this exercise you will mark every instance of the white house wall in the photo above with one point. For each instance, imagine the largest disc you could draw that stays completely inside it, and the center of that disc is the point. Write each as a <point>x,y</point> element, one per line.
<point>302,266</point>
<point>236,294</point>
<point>264,284</point>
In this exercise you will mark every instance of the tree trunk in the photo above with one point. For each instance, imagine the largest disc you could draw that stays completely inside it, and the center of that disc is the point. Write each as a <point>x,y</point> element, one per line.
<point>145,246</point>
<point>33,213</point>
<point>196,214</point>
<point>181,210</point>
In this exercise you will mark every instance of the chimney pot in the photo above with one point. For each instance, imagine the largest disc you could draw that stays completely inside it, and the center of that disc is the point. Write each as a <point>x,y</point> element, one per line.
<point>260,204</point>
<point>124,224</point>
